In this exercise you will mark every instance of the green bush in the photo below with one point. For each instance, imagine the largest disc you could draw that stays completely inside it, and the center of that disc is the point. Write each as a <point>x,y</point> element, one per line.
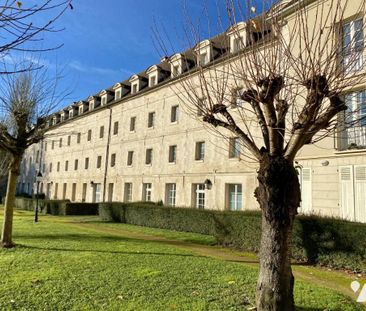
<point>317,240</point>
<point>57,207</point>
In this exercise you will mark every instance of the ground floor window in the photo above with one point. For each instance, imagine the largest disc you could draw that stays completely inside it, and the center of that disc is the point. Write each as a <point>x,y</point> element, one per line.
<point>199,196</point>
<point>146,192</point>
<point>234,196</point>
<point>97,191</point>
<point>128,192</point>
<point>110,192</point>
<point>171,191</point>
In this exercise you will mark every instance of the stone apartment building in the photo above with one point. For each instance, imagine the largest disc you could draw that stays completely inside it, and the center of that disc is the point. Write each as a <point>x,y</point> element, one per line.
<point>137,141</point>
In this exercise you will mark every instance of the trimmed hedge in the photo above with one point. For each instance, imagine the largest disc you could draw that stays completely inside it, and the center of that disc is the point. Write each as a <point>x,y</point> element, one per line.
<point>316,240</point>
<point>57,207</point>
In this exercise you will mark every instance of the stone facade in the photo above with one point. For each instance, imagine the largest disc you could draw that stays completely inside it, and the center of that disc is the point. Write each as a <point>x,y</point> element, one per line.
<point>139,141</point>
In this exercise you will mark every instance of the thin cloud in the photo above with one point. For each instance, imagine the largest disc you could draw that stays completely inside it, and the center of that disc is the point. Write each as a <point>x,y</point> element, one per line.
<point>78,66</point>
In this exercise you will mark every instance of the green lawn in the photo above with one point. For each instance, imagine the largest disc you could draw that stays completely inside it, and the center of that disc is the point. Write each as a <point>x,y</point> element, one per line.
<point>61,263</point>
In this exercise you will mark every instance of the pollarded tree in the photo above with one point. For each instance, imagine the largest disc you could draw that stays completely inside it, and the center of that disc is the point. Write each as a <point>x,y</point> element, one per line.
<point>285,71</point>
<point>26,99</point>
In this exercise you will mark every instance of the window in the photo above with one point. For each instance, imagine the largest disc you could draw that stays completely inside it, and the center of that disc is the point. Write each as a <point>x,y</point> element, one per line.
<point>174,114</point>
<point>66,166</point>
<point>104,100</point>
<point>148,159</point>
<point>175,71</point>
<point>118,95</point>
<point>76,164</point>
<point>64,191</point>
<point>73,192</point>
<point>355,119</point>
<point>78,138</point>
<point>200,151</point>
<point>45,146</point>
<point>352,45</point>
<point>238,44</point>
<point>37,156</point>
<point>130,158</point>
<point>146,192</point>
<point>53,145</point>
<point>56,190</point>
<point>203,59</point>
<point>58,166</point>
<point>50,168</point>
<point>199,196</point>
<point>128,192</point>
<point>151,120</point>
<point>152,81</point>
<point>234,196</point>
<point>237,101</point>
<point>172,154</point>
<point>86,163</point>
<point>89,135</point>
<point>110,192</point>
<point>115,128</point>
<point>170,194</point>
<point>83,195</point>
<point>132,124</point>
<point>101,132</point>
<point>99,161</point>
<point>234,147</point>
<point>80,109</point>
<point>97,188</point>
<point>69,140</point>
<point>60,143</point>
<point>134,88</point>
<point>113,159</point>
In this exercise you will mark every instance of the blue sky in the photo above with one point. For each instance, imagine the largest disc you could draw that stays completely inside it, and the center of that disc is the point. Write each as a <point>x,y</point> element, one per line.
<point>107,41</point>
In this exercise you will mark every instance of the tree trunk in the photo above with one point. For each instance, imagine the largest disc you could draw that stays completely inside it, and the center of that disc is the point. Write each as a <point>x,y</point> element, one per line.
<point>6,235</point>
<point>278,195</point>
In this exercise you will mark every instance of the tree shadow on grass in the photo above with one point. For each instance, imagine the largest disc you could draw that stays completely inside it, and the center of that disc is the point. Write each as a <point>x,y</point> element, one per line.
<point>308,309</point>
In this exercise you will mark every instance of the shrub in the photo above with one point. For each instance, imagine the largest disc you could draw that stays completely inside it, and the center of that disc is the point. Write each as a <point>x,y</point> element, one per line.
<point>57,207</point>
<point>317,240</point>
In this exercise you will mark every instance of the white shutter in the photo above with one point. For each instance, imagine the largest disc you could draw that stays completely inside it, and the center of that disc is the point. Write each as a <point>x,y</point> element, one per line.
<point>360,193</point>
<point>347,192</point>
<point>306,191</point>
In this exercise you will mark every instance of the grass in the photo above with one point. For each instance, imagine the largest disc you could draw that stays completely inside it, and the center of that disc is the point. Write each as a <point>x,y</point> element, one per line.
<point>61,263</point>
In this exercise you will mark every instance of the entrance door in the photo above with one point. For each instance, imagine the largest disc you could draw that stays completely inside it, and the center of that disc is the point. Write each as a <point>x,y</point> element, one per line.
<point>347,194</point>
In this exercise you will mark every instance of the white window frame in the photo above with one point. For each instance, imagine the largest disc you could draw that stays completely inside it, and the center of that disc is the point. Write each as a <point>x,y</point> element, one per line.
<point>170,194</point>
<point>128,192</point>
<point>237,203</point>
<point>199,196</point>
<point>352,50</point>
<point>234,148</point>
<point>147,192</point>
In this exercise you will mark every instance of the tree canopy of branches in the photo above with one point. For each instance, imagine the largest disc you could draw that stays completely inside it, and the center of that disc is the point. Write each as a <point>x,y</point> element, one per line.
<point>289,70</point>
<point>26,99</point>
<point>20,31</point>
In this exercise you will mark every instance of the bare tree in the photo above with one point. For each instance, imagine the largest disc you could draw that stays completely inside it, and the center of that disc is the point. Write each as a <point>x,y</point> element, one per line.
<point>26,100</point>
<point>20,31</point>
<point>285,76</point>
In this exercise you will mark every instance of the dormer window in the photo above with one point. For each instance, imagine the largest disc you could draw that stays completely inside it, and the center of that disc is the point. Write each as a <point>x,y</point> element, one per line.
<point>104,100</point>
<point>175,71</point>
<point>134,88</point>
<point>62,118</point>
<point>152,81</point>
<point>117,95</point>
<point>238,36</point>
<point>80,109</point>
<point>204,52</point>
<point>71,113</point>
<point>54,121</point>
<point>203,59</point>
<point>91,105</point>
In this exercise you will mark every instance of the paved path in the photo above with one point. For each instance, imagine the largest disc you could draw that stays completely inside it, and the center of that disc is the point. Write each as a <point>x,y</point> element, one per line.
<point>336,280</point>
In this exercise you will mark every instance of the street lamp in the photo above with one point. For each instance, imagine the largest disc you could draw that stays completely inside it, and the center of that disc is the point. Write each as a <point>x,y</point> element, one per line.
<point>38,180</point>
